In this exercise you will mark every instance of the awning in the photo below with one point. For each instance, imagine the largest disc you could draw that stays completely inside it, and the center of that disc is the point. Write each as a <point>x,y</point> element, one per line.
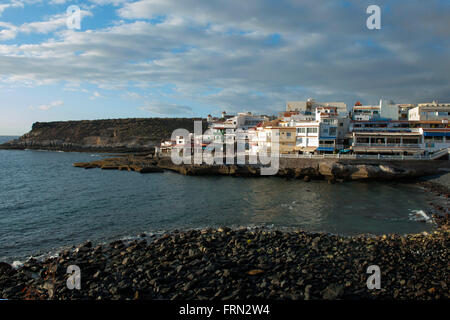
<point>306,149</point>
<point>436,134</point>
<point>325,149</point>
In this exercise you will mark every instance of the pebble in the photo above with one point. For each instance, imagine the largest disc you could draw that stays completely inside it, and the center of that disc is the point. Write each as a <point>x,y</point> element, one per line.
<point>239,263</point>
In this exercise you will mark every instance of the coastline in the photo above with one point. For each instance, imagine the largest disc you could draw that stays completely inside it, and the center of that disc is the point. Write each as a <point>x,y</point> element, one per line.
<point>333,170</point>
<point>242,263</point>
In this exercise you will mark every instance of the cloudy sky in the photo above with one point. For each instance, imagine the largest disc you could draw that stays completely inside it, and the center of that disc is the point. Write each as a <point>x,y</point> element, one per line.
<point>177,58</point>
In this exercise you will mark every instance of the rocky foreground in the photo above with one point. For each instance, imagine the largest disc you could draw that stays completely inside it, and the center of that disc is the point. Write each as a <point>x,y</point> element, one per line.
<point>243,264</point>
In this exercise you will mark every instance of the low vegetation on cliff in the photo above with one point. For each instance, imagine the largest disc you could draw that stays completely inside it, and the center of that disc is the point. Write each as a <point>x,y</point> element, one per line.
<point>110,134</point>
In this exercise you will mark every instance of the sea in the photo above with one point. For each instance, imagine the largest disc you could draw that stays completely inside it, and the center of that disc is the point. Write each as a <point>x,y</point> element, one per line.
<point>46,204</point>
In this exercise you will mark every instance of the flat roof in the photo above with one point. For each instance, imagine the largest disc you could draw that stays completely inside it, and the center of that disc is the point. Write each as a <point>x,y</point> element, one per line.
<point>278,127</point>
<point>387,133</point>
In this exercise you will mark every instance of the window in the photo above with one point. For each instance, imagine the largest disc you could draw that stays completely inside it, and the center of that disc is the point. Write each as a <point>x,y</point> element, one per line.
<point>393,140</point>
<point>410,141</point>
<point>299,141</point>
<point>377,140</point>
<point>311,141</point>
<point>301,130</point>
<point>312,130</point>
<point>362,140</point>
<point>288,134</point>
<point>333,131</point>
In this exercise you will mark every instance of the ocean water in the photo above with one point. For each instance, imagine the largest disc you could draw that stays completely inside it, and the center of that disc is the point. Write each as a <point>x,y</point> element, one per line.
<point>47,204</point>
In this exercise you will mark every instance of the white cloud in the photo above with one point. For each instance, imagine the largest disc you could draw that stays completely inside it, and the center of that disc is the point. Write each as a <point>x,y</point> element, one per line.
<point>163,108</point>
<point>96,95</point>
<point>7,31</point>
<point>58,1</point>
<point>321,51</point>
<point>56,22</point>
<point>12,4</point>
<point>105,2</point>
<point>132,95</point>
<point>46,107</point>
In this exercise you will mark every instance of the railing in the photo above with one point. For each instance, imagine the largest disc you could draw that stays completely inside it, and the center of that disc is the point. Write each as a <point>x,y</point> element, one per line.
<point>440,153</point>
<point>396,145</point>
<point>432,156</point>
<point>362,156</point>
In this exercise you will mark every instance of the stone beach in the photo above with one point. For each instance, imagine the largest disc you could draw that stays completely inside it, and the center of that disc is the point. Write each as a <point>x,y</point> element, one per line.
<point>242,263</point>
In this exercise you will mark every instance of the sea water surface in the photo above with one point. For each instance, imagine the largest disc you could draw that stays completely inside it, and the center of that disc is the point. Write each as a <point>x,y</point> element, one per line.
<point>47,204</point>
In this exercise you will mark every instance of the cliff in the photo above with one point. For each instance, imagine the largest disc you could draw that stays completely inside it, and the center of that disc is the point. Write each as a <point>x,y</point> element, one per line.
<point>113,135</point>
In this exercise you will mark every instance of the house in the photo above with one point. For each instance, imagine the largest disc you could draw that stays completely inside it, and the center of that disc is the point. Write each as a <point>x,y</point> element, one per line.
<point>324,134</point>
<point>311,105</point>
<point>403,110</point>
<point>307,136</point>
<point>430,111</point>
<point>407,141</point>
<point>166,147</point>
<point>387,110</point>
<point>396,135</point>
<point>224,130</point>
<point>270,132</point>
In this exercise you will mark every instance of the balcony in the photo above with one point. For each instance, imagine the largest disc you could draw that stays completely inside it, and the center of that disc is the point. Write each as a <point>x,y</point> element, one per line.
<point>390,145</point>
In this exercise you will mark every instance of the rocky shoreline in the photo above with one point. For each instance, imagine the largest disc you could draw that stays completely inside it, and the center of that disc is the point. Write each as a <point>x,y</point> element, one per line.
<point>261,263</point>
<point>224,263</point>
<point>243,263</point>
<point>333,170</point>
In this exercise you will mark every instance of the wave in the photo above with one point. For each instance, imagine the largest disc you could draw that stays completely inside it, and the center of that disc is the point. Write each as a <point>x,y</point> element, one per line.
<point>420,216</point>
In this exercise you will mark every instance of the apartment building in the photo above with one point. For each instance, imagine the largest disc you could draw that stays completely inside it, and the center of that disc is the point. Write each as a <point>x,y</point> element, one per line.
<point>311,105</point>
<point>384,110</point>
<point>430,111</point>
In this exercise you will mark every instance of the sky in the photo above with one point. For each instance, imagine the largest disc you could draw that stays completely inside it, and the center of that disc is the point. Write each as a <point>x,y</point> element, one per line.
<point>188,58</point>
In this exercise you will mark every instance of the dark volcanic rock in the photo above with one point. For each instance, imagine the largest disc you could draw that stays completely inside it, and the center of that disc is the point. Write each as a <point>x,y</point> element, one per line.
<point>243,264</point>
<point>112,135</point>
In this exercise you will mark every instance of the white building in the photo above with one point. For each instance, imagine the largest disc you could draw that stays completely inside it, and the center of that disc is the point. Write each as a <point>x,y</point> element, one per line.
<point>384,110</point>
<point>430,111</point>
<point>225,130</point>
<point>311,105</point>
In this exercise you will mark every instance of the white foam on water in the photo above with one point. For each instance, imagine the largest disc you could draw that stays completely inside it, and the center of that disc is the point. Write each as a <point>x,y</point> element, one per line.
<point>17,264</point>
<point>420,215</point>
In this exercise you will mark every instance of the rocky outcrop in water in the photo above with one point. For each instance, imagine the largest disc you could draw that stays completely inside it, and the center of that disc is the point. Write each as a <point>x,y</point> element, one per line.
<point>330,169</point>
<point>142,164</point>
<point>115,135</point>
<point>334,170</point>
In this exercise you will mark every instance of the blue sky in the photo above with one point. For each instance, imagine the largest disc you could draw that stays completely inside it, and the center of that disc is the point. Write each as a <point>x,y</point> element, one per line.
<point>173,58</point>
